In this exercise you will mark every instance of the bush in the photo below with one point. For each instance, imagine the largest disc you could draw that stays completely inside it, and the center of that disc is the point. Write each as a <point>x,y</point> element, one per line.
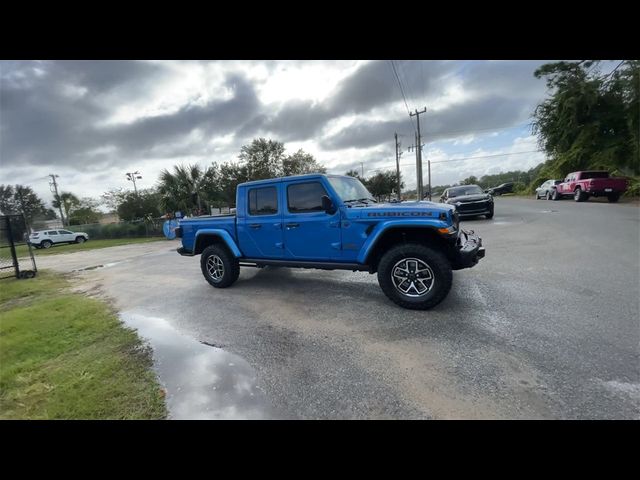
<point>634,187</point>
<point>97,231</point>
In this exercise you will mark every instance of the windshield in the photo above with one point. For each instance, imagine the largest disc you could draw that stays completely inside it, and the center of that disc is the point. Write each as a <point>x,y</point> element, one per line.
<point>350,188</point>
<point>469,190</point>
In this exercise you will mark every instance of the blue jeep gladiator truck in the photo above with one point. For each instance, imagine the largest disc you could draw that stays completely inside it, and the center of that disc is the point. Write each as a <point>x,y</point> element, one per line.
<point>333,222</point>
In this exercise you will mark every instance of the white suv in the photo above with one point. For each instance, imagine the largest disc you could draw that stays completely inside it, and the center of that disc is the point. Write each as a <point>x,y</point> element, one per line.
<point>46,238</point>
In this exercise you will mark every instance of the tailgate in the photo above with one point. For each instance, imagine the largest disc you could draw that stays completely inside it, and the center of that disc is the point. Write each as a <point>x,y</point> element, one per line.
<point>616,184</point>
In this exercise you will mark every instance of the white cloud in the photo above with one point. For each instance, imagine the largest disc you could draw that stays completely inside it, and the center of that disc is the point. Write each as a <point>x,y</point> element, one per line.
<point>162,113</point>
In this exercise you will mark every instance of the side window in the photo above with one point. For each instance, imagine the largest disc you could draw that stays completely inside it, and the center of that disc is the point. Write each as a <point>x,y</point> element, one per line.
<point>52,232</point>
<point>305,197</point>
<point>64,232</point>
<point>263,201</point>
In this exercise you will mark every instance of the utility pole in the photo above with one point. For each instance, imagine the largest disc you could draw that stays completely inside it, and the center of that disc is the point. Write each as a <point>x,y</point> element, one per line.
<point>398,153</point>
<point>131,176</point>
<point>419,153</point>
<point>429,167</point>
<point>56,196</point>
<point>362,170</point>
<point>419,186</point>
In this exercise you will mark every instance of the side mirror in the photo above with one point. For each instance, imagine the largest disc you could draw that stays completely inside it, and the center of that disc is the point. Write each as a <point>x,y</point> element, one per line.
<point>327,205</point>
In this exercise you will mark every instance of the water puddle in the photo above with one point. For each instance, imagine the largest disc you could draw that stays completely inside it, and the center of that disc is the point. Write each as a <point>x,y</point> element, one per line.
<point>202,381</point>
<point>94,267</point>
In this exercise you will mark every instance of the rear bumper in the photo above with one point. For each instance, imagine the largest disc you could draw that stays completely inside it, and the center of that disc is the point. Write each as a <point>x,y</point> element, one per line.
<point>599,192</point>
<point>468,250</point>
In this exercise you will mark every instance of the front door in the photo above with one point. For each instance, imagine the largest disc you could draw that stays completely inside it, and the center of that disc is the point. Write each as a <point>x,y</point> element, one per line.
<point>66,236</point>
<point>260,232</point>
<point>310,233</point>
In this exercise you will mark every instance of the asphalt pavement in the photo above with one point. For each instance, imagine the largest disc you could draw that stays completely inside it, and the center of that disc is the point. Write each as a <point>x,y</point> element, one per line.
<point>546,326</point>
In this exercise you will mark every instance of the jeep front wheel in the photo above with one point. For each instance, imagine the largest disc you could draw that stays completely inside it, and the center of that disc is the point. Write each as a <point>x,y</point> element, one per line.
<point>579,195</point>
<point>414,276</point>
<point>219,267</point>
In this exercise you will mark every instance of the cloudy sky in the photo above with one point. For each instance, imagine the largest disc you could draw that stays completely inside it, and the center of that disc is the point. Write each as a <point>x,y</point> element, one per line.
<point>92,121</point>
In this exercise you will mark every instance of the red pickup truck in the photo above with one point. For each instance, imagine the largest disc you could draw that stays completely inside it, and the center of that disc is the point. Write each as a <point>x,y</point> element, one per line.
<point>582,185</point>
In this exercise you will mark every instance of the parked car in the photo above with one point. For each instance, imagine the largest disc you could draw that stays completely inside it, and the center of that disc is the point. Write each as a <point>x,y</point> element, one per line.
<point>47,238</point>
<point>333,222</point>
<point>596,183</point>
<point>500,189</point>
<point>546,189</point>
<point>469,201</point>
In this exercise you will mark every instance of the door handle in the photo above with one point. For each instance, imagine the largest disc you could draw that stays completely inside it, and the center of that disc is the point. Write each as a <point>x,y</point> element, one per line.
<point>292,225</point>
<point>255,226</point>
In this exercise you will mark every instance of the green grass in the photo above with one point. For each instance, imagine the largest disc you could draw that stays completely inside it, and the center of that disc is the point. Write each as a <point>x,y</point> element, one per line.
<point>23,250</point>
<point>66,356</point>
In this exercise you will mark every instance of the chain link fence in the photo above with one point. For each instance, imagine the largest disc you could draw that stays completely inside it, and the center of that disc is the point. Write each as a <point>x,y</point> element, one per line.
<point>14,233</point>
<point>143,228</point>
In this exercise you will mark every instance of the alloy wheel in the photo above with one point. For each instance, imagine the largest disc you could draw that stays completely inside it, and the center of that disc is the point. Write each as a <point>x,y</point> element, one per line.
<point>215,267</point>
<point>412,277</point>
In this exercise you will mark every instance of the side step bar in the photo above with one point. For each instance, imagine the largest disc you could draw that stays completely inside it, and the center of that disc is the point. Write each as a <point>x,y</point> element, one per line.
<point>260,262</point>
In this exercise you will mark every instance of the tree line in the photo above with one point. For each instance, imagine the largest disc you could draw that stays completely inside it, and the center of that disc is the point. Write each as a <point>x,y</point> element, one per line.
<point>590,120</point>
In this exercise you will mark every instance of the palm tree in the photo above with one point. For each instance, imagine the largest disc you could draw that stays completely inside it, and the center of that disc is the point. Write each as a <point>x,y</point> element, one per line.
<point>67,200</point>
<point>181,190</point>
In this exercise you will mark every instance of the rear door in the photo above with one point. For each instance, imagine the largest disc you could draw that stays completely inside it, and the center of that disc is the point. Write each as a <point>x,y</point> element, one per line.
<point>310,233</point>
<point>260,231</point>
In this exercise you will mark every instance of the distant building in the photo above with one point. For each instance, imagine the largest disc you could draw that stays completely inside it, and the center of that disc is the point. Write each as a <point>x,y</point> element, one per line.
<point>109,218</point>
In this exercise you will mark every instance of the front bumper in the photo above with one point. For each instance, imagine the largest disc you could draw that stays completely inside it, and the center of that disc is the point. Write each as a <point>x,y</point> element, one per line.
<point>468,250</point>
<point>472,209</point>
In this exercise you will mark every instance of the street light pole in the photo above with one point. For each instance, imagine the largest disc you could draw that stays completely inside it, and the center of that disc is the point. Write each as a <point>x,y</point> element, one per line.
<point>131,176</point>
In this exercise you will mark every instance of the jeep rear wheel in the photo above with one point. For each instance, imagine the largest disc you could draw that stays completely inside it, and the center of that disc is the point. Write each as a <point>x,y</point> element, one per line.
<point>219,267</point>
<point>46,244</point>
<point>555,195</point>
<point>613,198</point>
<point>414,276</point>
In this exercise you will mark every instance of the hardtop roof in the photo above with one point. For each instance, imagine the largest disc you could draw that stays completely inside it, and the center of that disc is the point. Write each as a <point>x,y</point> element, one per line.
<point>306,176</point>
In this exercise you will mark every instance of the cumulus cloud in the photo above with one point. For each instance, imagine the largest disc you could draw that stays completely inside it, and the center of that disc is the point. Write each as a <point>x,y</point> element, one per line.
<point>91,120</point>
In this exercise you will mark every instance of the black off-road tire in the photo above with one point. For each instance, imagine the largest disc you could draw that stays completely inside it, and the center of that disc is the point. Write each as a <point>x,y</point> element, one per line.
<point>80,239</point>
<point>547,196</point>
<point>230,264</point>
<point>46,244</point>
<point>489,216</point>
<point>613,198</point>
<point>436,261</point>
<point>579,195</point>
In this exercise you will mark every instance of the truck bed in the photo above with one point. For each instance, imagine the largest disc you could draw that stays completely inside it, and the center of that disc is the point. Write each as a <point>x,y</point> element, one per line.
<point>216,222</point>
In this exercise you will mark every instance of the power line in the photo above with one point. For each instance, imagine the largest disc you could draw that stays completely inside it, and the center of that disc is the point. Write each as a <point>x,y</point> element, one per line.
<point>506,127</point>
<point>407,83</point>
<point>401,91</point>
<point>486,156</point>
<point>460,159</point>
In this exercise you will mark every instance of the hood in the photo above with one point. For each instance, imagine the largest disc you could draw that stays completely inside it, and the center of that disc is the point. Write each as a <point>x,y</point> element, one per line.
<point>401,210</point>
<point>469,198</point>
